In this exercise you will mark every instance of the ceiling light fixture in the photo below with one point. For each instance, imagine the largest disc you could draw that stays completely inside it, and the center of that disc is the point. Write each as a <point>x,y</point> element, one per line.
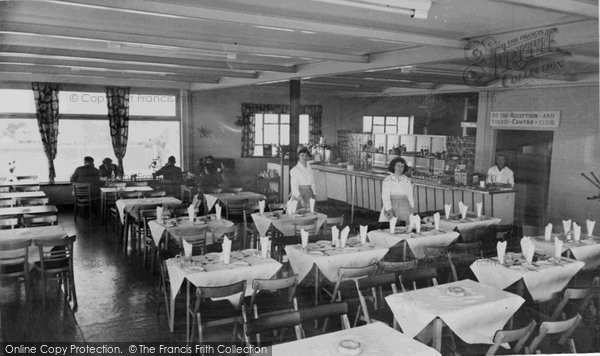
<point>413,8</point>
<point>275,28</point>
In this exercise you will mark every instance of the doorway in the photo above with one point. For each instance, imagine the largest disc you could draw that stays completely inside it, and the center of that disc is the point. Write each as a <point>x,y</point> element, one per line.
<point>528,154</point>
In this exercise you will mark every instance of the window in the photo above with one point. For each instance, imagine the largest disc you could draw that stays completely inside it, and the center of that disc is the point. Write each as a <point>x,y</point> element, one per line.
<point>273,130</point>
<point>397,125</point>
<point>154,132</point>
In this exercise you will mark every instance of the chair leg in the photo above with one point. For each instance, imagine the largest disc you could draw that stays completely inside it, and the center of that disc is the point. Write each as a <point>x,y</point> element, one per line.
<point>44,290</point>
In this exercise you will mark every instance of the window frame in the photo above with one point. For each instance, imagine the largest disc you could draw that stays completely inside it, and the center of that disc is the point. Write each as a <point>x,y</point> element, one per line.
<point>372,125</point>
<point>279,124</point>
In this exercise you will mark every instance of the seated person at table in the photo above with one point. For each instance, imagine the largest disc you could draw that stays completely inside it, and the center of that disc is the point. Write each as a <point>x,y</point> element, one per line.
<point>230,177</point>
<point>169,171</point>
<point>500,175</point>
<point>88,174</point>
<point>108,169</point>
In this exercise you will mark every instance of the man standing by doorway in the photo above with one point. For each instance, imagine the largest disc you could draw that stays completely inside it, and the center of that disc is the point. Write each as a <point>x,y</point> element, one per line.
<point>500,175</point>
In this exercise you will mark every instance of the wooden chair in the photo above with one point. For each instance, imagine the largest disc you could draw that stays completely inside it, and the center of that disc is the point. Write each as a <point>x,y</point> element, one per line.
<point>520,336</point>
<point>57,264</point>
<point>417,278</point>
<point>83,198</point>
<point>309,224</point>
<point>197,240</point>
<point>564,329</point>
<point>31,201</point>
<point>461,255</point>
<point>156,194</point>
<point>8,222</point>
<point>439,258</point>
<point>233,190</point>
<point>215,313</point>
<point>325,311</point>
<point>572,296</point>
<point>235,208</point>
<point>16,264</point>
<point>289,319</point>
<point>27,188</point>
<point>150,249</point>
<point>329,223</point>
<point>276,206</point>
<point>218,235</point>
<point>346,282</point>
<point>372,302</point>
<point>274,296</point>
<point>30,220</point>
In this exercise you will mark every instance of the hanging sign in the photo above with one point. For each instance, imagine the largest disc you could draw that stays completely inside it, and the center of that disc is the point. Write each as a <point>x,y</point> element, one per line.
<point>525,119</point>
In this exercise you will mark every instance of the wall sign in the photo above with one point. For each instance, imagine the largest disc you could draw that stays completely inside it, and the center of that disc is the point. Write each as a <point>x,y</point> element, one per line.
<point>525,119</point>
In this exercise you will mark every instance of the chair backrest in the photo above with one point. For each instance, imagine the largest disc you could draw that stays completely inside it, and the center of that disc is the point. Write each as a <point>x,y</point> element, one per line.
<point>397,267</point>
<point>418,276</point>
<point>32,201</point>
<point>326,311</point>
<point>40,220</point>
<point>276,206</point>
<point>14,258</point>
<point>116,184</point>
<point>373,285</point>
<point>197,239</point>
<point>53,261</point>
<point>231,232</point>
<point>564,328</point>
<point>27,188</point>
<point>351,274</point>
<point>581,294</point>
<point>147,215</point>
<point>233,190</point>
<point>223,291</point>
<point>290,284</point>
<point>156,194</point>
<point>309,224</point>
<point>509,336</point>
<point>338,221</point>
<point>9,222</point>
<point>272,322</point>
<point>82,190</point>
<point>4,189</point>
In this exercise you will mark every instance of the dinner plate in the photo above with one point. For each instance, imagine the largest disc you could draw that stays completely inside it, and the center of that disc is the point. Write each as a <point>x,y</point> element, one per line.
<point>196,268</point>
<point>323,243</point>
<point>212,255</point>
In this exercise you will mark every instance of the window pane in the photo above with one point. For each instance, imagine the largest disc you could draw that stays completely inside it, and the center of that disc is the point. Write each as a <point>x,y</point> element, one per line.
<point>391,121</point>
<point>378,129</point>
<point>271,118</point>
<point>258,129</point>
<point>17,101</point>
<point>304,130</point>
<point>148,140</point>
<point>378,120</point>
<point>82,103</point>
<point>152,105</point>
<point>367,124</point>
<point>271,134</point>
<point>285,135</point>
<point>20,141</point>
<point>285,118</point>
<point>403,126</point>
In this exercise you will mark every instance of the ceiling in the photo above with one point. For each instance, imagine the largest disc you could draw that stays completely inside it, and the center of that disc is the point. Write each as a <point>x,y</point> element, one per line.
<point>332,48</point>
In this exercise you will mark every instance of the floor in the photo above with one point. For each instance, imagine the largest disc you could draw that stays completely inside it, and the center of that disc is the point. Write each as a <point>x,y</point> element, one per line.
<point>118,298</point>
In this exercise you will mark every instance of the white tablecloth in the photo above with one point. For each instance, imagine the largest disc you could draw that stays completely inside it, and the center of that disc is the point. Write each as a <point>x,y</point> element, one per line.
<point>541,281</point>
<point>416,242</point>
<point>283,223</point>
<point>328,261</point>
<point>474,318</point>
<point>35,194</point>
<point>586,250</point>
<point>186,227</point>
<point>467,227</point>
<point>135,204</point>
<point>217,273</point>
<point>34,234</point>
<point>211,199</point>
<point>374,339</point>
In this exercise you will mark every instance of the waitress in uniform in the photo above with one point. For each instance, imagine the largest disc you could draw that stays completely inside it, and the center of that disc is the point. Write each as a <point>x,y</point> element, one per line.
<point>397,192</point>
<point>302,181</point>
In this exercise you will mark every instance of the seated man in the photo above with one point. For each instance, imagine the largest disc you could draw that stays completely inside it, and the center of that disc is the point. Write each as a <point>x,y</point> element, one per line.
<point>108,169</point>
<point>88,174</point>
<point>170,171</point>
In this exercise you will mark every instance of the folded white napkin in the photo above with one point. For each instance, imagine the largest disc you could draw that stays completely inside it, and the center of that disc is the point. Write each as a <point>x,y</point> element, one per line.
<point>196,201</point>
<point>436,221</point>
<point>312,205</point>
<point>261,207</point>
<point>479,207</point>
<point>567,226</point>
<point>291,206</point>
<point>528,248</point>
<point>501,250</point>
<point>393,224</point>
<point>191,212</point>
<point>363,234</point>
<point>590,227</point>
<point>411,222</point>
<point>265,247</point>
<point>218,211</point>
<point>335,234</point>
<point>417,222</point>
<point>159,213</point>
<point>226,253</point>
<point>548,232</point>
<point>344,236</point>
<point>304,236</point>
<point>558,246</point>
<point>447,210</point>
<point>462,208</point>
<point>187,248</point>
<point>576,231</point>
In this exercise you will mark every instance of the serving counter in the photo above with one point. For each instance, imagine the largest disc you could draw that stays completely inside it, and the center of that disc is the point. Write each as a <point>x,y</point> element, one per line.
<point>363,190</point>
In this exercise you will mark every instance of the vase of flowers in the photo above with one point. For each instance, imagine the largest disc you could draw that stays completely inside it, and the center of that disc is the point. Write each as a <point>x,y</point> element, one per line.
<point>11,171</point>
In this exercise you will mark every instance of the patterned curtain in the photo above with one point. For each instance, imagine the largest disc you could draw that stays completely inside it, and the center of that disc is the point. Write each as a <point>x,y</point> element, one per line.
<point>314,112</point>
<point>118,118</point>
<point>46,112</point>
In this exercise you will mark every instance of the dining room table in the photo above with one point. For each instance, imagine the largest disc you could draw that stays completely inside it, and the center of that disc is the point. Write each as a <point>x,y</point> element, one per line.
<point>468,226</point>
<point>39,233</point>
<point>106,191</point>
<point>16,195</point>
<point>211,199</point>
<point>428,237</point>
<point>20,182</point>
<point>325,260</point>
<point>587,249</point>
<point>542,278</point>
<point>371,339</point>
<point>209,270</point>
<point>19,211</point>
<point>172,229</point>
<point>285,223</point>
<point>129,209</point>
<point>473,311</point>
